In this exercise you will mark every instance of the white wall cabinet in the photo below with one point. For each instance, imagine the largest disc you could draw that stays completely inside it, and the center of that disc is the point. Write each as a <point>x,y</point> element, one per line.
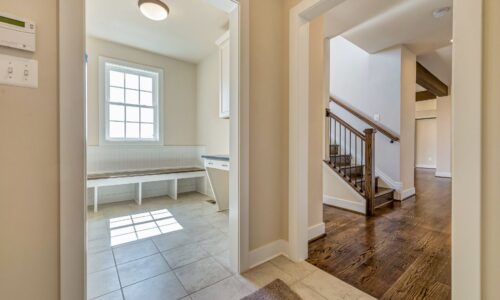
<point>224,78</point>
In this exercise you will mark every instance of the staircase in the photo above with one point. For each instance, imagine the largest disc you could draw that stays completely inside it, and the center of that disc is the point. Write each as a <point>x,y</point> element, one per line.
<point>352,156</point>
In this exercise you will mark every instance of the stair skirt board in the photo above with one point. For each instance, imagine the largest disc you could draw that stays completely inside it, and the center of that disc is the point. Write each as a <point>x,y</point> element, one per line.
<point>403,195</point>
<point>316,231</point>
<point>393,184</point>
<point>345,204</point>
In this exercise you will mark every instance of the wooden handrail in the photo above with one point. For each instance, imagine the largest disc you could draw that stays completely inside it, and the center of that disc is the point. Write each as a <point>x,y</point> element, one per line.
<point>345,124</point>
<point>380,128</point>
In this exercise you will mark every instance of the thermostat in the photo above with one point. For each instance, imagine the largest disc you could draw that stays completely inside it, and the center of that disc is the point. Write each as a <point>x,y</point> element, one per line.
<point>17,33</point>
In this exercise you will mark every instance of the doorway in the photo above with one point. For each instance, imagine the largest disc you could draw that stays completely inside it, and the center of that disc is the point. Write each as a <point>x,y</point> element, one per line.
<point>73,149</point>
<point>465,114</point>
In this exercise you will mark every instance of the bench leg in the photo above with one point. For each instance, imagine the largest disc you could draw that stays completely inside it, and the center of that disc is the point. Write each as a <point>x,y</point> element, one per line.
<point>172,188</point>
<point>138,193</point>
<point>96,198</point>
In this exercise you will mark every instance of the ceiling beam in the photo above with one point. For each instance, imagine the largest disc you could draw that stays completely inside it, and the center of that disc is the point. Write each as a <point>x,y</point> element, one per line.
<point>430,82</point>
<point>425,95</point>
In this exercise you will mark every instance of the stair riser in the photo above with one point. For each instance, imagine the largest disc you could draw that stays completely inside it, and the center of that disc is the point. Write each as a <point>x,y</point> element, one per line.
<point>341,160</point>
<point>334,150</point>
<point>354,172</point>
<point>383,199</point>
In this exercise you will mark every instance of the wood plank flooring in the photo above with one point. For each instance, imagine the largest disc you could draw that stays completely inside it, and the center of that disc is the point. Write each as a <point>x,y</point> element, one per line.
<point>401,253</point>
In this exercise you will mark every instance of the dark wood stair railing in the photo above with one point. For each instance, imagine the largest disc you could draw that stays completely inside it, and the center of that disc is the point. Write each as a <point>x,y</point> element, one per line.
<point>380,128</point>
<point>352,156</point>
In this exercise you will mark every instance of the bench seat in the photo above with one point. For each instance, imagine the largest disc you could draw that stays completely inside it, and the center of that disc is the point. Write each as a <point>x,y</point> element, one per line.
<point>138,177</point>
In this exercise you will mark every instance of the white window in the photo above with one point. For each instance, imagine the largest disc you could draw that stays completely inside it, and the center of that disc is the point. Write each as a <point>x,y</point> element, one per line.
<point>131,105</point>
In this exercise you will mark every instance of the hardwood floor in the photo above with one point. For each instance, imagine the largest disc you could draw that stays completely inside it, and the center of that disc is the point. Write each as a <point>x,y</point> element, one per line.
<point>401,253</point>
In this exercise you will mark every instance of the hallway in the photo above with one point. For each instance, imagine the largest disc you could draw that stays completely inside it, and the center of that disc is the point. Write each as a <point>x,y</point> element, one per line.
<point>404,252</point>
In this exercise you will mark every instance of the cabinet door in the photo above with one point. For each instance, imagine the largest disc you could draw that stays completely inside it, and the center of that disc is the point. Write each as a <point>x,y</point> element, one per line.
<point>224,96</point>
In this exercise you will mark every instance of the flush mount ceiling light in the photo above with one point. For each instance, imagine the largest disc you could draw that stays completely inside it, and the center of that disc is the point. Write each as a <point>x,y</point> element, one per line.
<point>441,12</point>
<point>154,9</point>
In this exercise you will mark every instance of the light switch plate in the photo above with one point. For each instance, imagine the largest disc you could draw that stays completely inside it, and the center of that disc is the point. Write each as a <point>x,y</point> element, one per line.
<point>18,71</point>
<point>376,117</point>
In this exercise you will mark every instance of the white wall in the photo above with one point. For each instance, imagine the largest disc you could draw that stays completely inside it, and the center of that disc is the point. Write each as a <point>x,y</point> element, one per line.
<point>443,151</point>
<point>212,131</point>
<point>440,110</point>
<point>425,143</point>
<point>29,166</point>
<point>372,84</point>
<point>407,116</point>
<point>179,104</point>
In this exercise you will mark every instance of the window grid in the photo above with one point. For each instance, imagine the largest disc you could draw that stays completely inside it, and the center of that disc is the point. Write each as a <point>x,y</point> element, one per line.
<point>146,103</point>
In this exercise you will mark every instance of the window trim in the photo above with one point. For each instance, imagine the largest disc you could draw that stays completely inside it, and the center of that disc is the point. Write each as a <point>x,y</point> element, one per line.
<point>104,139</point>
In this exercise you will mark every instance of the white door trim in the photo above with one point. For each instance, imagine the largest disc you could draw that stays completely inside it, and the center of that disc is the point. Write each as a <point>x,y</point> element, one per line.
<point>467,92</point>
<point>72,130</point>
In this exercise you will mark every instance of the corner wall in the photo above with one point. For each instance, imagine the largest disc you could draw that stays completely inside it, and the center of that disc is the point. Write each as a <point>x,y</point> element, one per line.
<point>29,166</point>
<point>407,115</point>
<point>212,131</point>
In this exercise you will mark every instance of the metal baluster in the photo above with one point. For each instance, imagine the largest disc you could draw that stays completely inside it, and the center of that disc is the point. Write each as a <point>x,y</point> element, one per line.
<point>345,149</point>
<point>362,161</point>
<point>356,152</point>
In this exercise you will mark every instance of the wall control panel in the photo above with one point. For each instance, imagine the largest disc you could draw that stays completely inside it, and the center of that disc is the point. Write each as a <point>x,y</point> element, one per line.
<point>18,71</point>
<point>17,33</point>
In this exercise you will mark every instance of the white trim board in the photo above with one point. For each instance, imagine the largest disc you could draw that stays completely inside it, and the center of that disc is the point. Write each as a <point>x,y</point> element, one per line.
<point>404,194</point>
<point>316,230</point>
<point>425,166</point>
<point>345,204</point>
<point>443,174</point>
<point>267,252</point>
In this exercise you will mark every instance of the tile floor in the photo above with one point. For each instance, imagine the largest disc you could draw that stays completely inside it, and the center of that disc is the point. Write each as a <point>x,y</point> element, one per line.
<point>178,249</point>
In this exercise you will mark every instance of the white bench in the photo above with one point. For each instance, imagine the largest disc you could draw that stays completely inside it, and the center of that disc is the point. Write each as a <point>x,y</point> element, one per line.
<point>171,176</point>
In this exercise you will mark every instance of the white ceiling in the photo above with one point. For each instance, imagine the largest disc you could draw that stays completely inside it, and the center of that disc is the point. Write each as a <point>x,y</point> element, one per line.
<point>189,33</point>
<point>378,25</point>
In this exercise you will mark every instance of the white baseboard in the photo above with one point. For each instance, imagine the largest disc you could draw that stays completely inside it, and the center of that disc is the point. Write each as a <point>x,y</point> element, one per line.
<point>402,195</point>
<point>267,252</point>
<point>316,230</point>
<point>425,166</point>
<point>345,204</point>
<point>443,174</point>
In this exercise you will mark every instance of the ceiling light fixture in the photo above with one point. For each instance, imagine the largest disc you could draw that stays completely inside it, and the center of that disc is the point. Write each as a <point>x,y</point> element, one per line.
<point>154,9</point>
<point>441,12</point>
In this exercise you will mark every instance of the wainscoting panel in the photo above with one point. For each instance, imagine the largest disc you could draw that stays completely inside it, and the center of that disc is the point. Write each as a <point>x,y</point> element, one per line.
<point>102,159</point>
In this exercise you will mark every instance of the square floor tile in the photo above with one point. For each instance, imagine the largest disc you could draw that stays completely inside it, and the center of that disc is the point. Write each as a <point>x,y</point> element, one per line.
<point>162,287</point>
<point>184,255</point>
<point>140,269</point>
<point>102,283</point>
<point>172,240</point>
<point>227,289</point>
<point>100,261</point>
<point>116,295</point>
<point>99,245</point>
<point>264,274</point>
<point>201,274</point>
<point>204,232</point>
<point>223,259</point>
<point>215,245</point>
<point>296,270</point>
<point>136,250</point>
<point>305,292</point>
